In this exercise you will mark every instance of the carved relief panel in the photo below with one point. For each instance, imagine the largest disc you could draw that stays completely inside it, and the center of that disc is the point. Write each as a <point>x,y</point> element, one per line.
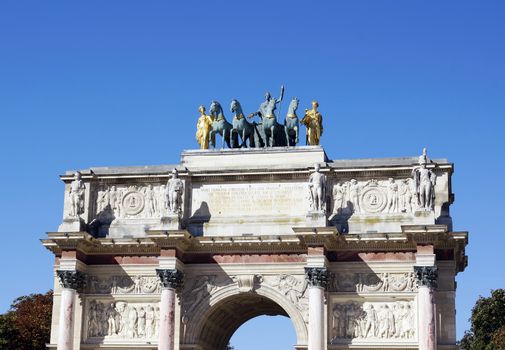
<point>374,196</point>
<point>134,201</point>
<point>123,284</point>
<point>360,321</point>
<point>373,282</point>
<point>118,321</point>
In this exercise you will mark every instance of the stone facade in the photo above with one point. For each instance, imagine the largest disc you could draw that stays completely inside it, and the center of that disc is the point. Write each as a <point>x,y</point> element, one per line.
<point>152,258</point>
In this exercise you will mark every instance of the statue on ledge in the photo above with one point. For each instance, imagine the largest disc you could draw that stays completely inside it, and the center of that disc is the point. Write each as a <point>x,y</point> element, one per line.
<point>313,120</point>
<point>203,127</point>
<point>76,195</point>
<point>425,180</point>
<point>175,190</point>
<point>317,190</point>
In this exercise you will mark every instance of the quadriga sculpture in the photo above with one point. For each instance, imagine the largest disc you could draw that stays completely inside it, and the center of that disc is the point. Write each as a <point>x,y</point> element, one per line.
<point>292,123</point>
<point>241,127</point>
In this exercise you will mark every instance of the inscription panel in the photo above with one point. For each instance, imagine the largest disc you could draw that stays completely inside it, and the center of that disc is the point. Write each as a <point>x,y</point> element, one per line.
<point>268,199</point>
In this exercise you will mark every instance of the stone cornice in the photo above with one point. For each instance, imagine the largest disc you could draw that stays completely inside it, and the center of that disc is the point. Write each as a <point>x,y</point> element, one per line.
<point>298,243</point>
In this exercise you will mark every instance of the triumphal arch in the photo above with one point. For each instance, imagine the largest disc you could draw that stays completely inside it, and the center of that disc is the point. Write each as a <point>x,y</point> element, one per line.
<point>359,254</point>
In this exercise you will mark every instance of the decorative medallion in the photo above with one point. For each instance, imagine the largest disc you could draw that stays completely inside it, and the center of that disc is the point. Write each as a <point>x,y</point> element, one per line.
<point>133,202</point>
<point>373,200</point>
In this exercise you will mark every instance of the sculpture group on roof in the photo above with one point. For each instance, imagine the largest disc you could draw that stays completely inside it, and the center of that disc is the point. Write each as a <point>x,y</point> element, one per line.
<point>267,132</point>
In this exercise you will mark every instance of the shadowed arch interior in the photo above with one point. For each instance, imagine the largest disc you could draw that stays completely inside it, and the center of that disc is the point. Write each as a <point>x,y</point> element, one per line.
<point>227,316</point>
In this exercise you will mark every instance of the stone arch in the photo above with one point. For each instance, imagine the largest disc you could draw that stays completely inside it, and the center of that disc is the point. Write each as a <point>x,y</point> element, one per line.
<point>215,319</point>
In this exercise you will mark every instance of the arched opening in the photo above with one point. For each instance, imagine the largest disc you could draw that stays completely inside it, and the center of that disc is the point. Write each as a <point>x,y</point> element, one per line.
<point>265,333</point>
<point>224,318</point>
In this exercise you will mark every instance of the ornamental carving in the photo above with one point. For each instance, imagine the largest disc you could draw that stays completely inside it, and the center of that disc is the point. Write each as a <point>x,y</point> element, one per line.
<point>317,276</point>
<point>170,278</point>
<point>427,276</point>
<point>375,196</point>
<point>71,279</point>
<point>201,288</point>
<point>373,282</point>
<point>372,320</point>
<point>131,202</point>
<point>123,285</point>
<point>121,320</point>
<point>295,289</point>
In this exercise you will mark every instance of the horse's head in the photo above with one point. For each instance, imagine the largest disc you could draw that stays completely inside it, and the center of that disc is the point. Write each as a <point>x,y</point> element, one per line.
<point>214,107</point>
<point>293,105</point>
<point>235,106</point>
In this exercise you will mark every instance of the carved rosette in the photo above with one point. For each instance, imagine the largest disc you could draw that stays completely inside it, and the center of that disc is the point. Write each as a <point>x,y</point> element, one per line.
<point>170,278</point>
<point>317,276</point>
<point>426,276</point>
<point>71,279</point>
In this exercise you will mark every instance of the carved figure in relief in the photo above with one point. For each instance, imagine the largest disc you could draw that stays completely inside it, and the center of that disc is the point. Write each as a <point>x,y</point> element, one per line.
<point>157,321</point>
<point>392,195</point>
<point>76,195</point>
<point>371,322</point>
<point>102,199</point>
<point>149,327</point>
<point>354,193</point>
<point>425,180</point>
<point>132,322</point>
<point>175,189</point>
<point>202,287</point>
<point>141,322</point>
<point>339,192</point>
<point>406,193</point>
<point>162,199</point>
<point>151,201</point>
<point>317,187</point>
<point>313,120</point>
<point>203,127</point>
<point>115,200</point>
<point>112,327</point>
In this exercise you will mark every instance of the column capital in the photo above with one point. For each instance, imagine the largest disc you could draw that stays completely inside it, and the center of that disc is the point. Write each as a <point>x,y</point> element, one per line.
<point>317,276</point>
<point>427,276</point>
<point>170,278</point>
<point>72,279</point>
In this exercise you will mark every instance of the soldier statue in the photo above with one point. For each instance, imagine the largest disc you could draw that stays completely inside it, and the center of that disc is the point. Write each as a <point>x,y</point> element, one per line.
<point>317,190</point>
<point>425,180</point>
<point>76,194</point>
<point>313,120</point>
<point>203,127</point>
<point>175,189</point>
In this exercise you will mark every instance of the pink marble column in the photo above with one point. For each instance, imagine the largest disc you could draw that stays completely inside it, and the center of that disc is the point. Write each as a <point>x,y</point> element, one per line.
<point>66,324</point>
<point>71,281</point>
<point>170,280</point>
<point>427,280</point>
<point>317,278</point>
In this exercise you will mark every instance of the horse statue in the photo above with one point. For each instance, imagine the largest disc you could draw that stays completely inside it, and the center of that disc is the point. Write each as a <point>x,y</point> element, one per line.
<point>291,123</point>
<point>220,126</point>
<point>241,126</point>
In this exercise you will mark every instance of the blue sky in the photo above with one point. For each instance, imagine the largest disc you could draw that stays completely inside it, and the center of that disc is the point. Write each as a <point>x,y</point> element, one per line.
<point>92,83</point>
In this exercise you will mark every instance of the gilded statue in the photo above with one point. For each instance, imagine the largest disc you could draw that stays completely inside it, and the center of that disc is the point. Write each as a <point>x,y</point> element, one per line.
<point>203,127</point>
<point>313,120</point>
